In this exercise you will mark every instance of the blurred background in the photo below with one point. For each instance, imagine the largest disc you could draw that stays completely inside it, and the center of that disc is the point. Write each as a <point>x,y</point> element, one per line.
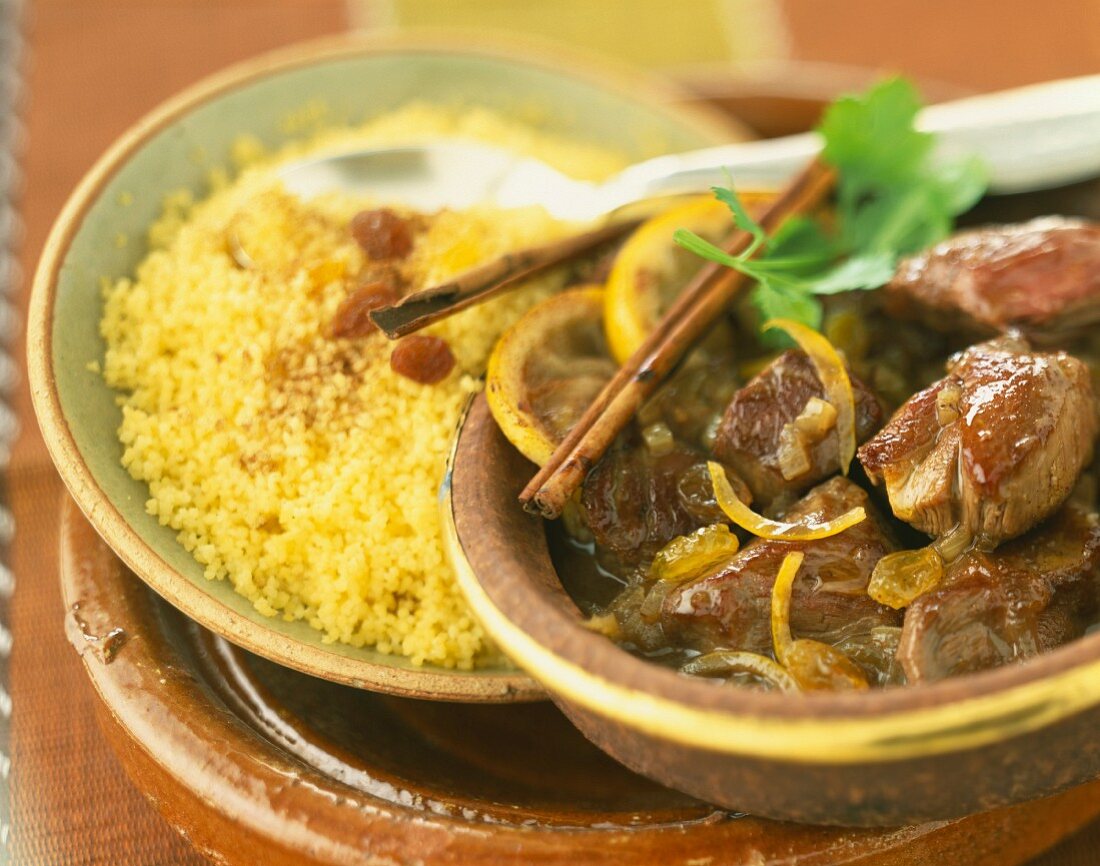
<point>95,66</point>
<point>76,73</point>
<point>976,43</point>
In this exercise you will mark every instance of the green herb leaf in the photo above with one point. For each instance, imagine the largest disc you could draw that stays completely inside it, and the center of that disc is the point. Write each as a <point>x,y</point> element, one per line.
<point>705,249</point>
<point>802,238</point>
<point>892,193</point>
<point>894,197</point>
<point>775,302</point>
<point>871,139</point>
<point>867,271</point>
<point>962,182</point>
<point>741,217</point>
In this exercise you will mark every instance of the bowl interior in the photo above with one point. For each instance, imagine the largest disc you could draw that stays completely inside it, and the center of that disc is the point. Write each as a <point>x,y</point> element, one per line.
<point>101,236</point>
<point>883,758</point>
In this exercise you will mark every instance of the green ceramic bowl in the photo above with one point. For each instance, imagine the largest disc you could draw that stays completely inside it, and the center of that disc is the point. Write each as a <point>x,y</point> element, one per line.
<point>175,147</point>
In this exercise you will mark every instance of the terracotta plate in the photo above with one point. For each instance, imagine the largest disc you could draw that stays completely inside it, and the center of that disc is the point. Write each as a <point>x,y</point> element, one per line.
<point>311,772</point>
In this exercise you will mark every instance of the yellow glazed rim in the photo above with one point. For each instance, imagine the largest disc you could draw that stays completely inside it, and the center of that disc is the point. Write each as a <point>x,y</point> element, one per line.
<point>935,725</point>
<point>428,682</point>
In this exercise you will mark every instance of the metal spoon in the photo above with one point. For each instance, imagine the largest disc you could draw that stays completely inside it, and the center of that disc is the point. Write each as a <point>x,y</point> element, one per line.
<point>1032,137</point>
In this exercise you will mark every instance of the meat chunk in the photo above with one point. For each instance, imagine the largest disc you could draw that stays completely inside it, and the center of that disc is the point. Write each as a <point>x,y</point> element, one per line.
<point>732,608</point>
<point>752,429</point>
<point>1040,277</point>
<point>1033,594</point>
<point>636,502</point>
<point>995,447</point>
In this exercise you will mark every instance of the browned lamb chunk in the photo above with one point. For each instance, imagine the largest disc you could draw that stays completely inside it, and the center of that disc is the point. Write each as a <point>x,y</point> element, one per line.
<point>752,428</point>
<point>1033,594</point>
<point>731,609</point>
<point>635,502</point>
<point>995,447</point>
<point>1040,277</point>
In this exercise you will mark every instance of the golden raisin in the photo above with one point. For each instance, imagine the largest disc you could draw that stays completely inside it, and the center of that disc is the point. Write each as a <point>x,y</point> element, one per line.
<point>901,578</point>
<point>687,557</point>
<point>382,234</point>
<point>352,317</point>
<point>816,666</point>
<point>423,359</point>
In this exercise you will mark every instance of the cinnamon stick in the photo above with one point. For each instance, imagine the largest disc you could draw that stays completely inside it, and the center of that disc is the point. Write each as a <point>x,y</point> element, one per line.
<point>696,309</point>
<point>426,307</point>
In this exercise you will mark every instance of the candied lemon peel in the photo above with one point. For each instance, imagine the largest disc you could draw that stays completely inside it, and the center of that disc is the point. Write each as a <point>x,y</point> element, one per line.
<point>776,530</point>
<point>814,665</point>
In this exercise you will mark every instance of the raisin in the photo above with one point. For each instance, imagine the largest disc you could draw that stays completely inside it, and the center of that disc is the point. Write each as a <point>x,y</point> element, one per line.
<point>352,317</point>
<point>423,359</point>
<point>382,234</point>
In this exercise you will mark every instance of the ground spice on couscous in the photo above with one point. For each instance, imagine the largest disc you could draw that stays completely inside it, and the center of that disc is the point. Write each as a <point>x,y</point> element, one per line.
<point>275,436</point>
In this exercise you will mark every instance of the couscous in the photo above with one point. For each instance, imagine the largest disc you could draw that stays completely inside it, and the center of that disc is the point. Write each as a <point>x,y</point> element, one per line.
<point>279,434</point>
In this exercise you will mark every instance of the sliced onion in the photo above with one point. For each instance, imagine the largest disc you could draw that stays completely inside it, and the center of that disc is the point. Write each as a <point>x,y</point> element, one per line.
<point>724,662</point>
<point>757,524</point>
<point>793,456</point>
<point>816,419</point>
<point>658,439</point>
<point>901,578</point>
<point>834,379</point>
<point>955,543</point>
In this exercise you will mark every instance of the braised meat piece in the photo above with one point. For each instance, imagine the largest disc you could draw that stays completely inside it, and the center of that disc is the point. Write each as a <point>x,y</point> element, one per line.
<point>732,608</point>
<point>635,501</point>
<point>1033,594</point>
<point>764,413</point>
<point>995,447</point>
<point>1040,277</point>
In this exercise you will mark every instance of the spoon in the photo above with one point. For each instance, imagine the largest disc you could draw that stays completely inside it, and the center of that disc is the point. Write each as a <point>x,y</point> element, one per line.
<point>1034,137</point>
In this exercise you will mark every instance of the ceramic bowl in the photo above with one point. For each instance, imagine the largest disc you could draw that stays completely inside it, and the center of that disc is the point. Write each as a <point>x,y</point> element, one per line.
<point>256,763</point>
<point>174,148</point>
<point>888,757</point>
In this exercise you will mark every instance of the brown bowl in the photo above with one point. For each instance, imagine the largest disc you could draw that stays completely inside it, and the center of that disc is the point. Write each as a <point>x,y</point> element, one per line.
<point>888,757</point>
<point>256,763</point>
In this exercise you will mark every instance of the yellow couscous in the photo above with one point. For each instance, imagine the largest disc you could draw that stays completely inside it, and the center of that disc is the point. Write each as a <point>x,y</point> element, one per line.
<point>292,461</point>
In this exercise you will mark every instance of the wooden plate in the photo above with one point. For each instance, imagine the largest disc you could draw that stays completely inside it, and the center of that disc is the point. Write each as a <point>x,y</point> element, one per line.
<point>258,763</point>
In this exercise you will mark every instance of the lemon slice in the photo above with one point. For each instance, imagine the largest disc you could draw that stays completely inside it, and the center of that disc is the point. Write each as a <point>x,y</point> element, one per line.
<point>546,370</point>
<point>650,269</point>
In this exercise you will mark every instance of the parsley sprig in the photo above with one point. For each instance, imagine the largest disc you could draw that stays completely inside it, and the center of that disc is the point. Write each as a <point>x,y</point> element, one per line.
<point>893,198</point>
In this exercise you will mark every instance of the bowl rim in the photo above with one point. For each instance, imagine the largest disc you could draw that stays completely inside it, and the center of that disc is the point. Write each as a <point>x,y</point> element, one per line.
<point>429,681</point>
<point>544,633</point>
